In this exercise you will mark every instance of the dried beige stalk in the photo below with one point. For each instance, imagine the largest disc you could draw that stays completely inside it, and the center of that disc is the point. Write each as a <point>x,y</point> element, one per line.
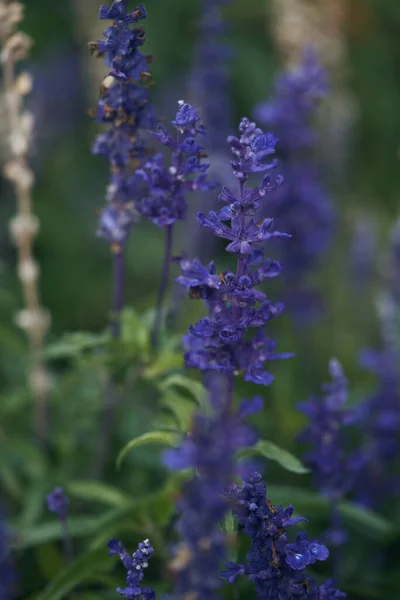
<point>33,319</point>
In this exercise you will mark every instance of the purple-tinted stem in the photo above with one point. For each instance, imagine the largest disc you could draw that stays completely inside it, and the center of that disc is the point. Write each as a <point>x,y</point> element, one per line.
<point>163,286</point>
<point>107,418</point>
<point>335,551</point>
<point>118,295</point>
<point>67,541</point>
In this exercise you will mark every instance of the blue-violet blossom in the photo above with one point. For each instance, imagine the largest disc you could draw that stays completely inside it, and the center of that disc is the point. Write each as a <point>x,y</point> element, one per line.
<point>274,564</point>
<point>164,197</point>
<point>135,566</point>
<point>124,105</point>
<point>221,341</point>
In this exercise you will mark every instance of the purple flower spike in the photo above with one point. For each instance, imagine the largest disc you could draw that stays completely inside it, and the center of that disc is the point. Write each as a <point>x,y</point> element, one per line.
<point>135,566</point>
<point>124,105</point>
<point>163,186</point>
<point>235,306</point>
<point>274,564</point>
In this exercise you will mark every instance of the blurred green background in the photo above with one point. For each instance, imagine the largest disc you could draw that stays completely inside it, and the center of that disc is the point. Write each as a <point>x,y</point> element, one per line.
<point>360,144</point>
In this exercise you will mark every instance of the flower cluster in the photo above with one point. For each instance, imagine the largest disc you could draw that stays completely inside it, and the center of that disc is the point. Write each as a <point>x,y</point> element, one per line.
<point>124,104</point>
<point>57,502</point>
<point>210,78</point>
<point>203,505</point>
<point>329,459</point>
<point>274,564</point>
<point>301,205</point>
<point>164,199</point>
<point>135,566</point>
<point>220,342</point>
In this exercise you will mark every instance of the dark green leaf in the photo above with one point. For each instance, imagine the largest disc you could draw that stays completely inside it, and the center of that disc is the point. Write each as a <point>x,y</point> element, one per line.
<point>73,344</point>
<point>312,505</point>
<point>165,438</point>
<point>95,491</point>
<point>273,452</point>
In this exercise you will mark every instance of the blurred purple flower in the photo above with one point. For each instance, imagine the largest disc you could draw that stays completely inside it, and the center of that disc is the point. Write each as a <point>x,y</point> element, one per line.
<point>209,449</point>
<point>57,502</point>
<point>301,206</point>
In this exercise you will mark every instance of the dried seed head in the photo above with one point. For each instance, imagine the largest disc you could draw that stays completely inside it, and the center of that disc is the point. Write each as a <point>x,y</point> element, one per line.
<point>17,47</point>
<point>40,381</point>
<point>24,84</point>
<point>28,271</point>
<point>19,174</point>
<point>33,321</point>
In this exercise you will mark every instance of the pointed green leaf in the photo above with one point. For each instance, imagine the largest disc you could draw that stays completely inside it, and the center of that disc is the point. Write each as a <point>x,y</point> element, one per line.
<point>95,491</point>
<point>181,407</point>
<point>165,438</point>
<point>192,387</point>
<point>72,344</point>
<point>274,452</point>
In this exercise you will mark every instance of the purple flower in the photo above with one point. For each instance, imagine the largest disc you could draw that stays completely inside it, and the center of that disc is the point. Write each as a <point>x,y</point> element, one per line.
<point>57,502</point>
<point>325,434</point>
<point>164,187</point>
<point>135,566</point>
<point>220,341</point>
<point>301,205</point>
<point>274,564</point>
<point>209,449</point>
<point>124,105</point>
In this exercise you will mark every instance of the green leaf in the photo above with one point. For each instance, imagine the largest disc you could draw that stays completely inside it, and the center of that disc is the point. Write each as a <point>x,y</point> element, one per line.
<point>77,572</point>
<point>35,535</point>
<point>10,482</point>
<point>165,438</point>
<point>273,452</point>
<point>73,344</point>
<point>135,330</point>
<point>182,408</point>
<point>95,491</point>
<point>194,388</point>
<point>368,523</point>
<point>168,359</point>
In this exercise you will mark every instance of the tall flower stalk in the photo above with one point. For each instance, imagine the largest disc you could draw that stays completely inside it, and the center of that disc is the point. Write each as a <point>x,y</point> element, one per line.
<point>123,105</point>
<point>33,319</point>
<point>165,186</point>
<point>223,341</point>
